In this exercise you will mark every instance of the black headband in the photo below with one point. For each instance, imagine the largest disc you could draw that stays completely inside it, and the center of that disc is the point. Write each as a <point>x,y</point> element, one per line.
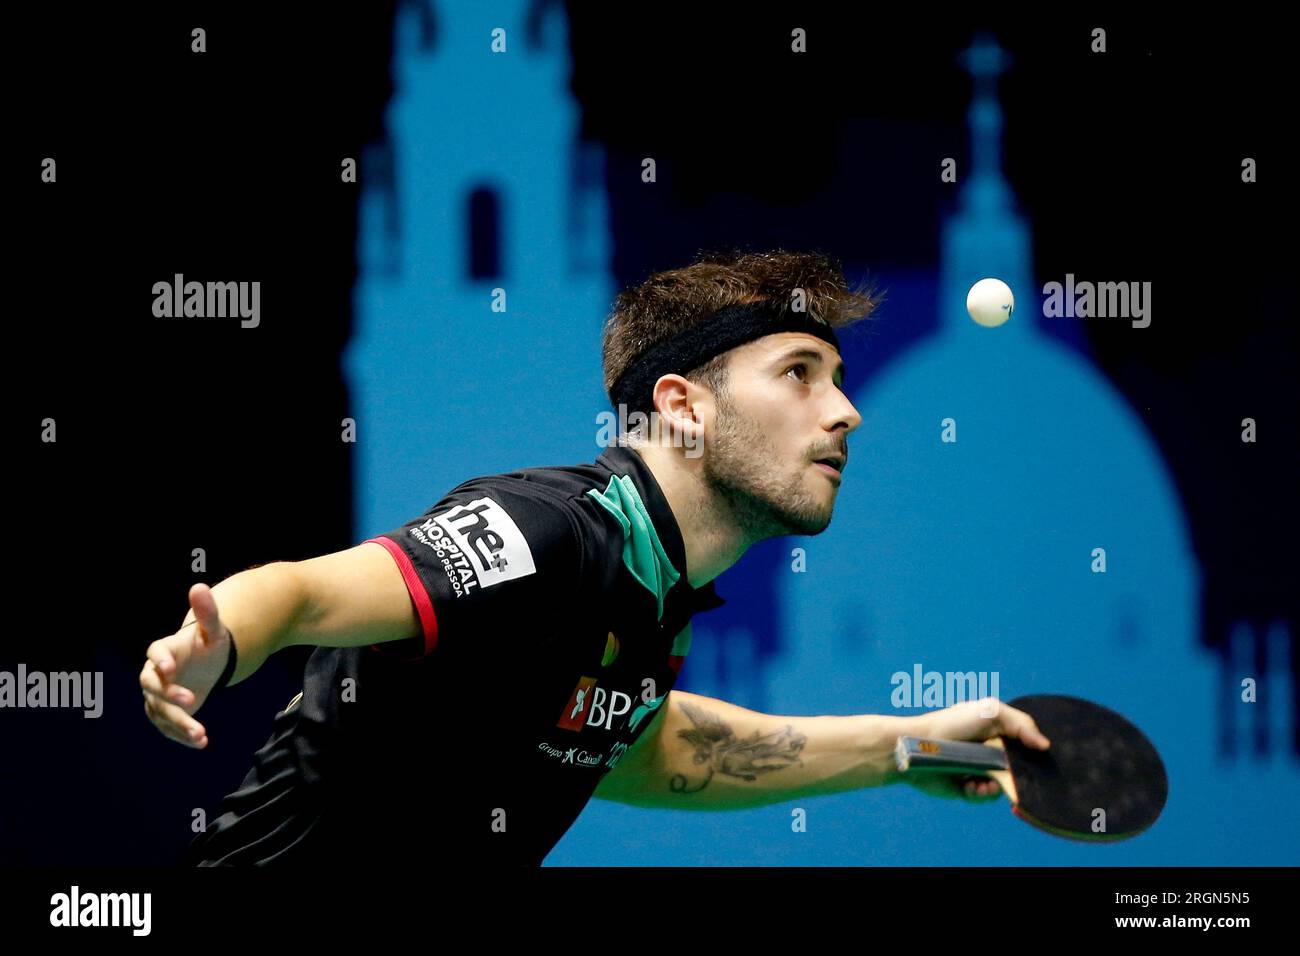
<point>727,328</point>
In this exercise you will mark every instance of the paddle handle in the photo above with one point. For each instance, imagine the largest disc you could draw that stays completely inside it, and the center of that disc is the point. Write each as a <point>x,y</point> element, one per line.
<point>926,753</point>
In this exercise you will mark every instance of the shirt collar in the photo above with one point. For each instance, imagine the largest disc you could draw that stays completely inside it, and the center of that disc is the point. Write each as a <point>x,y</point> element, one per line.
<point>621,460</point>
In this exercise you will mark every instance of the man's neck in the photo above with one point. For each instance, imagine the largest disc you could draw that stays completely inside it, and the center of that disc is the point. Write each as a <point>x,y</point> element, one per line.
<point>713,541</point>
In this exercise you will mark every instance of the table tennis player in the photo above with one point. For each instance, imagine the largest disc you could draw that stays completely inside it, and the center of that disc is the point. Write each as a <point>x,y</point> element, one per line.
<point>486,668</point>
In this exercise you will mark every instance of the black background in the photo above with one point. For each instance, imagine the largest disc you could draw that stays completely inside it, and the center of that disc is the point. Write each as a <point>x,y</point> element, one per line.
<point>177,435</point>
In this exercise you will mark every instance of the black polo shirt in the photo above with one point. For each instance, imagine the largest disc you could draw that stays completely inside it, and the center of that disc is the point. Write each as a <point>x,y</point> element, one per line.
<point>552,602</point>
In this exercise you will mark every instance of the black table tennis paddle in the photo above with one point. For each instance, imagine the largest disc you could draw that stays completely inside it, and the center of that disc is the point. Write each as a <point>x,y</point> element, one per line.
<point>1100,781</point>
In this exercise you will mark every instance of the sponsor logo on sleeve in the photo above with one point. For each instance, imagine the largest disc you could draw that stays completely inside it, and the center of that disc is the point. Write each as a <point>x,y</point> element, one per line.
<point>479,545</point>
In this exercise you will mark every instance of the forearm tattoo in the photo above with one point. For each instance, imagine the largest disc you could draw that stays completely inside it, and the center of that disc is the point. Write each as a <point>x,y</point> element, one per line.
<point>716,746</point>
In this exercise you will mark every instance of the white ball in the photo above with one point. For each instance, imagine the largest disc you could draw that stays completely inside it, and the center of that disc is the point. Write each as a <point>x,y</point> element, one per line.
<point>990,302</point>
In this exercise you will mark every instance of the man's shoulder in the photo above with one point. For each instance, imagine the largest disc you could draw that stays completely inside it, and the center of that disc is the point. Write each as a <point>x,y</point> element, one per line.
<point>547,507</point>
<point>546,481</point>
<point>548,494</point>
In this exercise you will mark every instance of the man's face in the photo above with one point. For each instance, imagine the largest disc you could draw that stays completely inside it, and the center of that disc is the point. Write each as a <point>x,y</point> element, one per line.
<point>783,410</point>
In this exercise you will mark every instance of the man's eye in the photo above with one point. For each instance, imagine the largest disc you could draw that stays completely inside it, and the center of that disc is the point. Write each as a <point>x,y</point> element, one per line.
<point>803,368</point>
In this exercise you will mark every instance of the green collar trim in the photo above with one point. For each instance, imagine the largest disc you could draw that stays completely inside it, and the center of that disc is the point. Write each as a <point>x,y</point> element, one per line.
<point>643,552</point>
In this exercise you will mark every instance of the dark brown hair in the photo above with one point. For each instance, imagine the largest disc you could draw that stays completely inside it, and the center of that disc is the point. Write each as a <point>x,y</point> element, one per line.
<point>671,301</point>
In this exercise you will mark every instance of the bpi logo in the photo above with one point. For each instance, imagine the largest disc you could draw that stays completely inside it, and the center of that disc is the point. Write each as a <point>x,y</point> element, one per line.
<point>592,705</point>
<point>483,530</point>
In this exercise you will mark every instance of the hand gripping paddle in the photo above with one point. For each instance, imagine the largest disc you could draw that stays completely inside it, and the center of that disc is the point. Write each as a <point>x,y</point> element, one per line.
<point>1100,781</point>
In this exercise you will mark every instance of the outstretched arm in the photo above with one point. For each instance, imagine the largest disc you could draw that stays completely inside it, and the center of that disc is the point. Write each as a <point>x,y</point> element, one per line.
<point>706,754</point>
<point>352,597</point>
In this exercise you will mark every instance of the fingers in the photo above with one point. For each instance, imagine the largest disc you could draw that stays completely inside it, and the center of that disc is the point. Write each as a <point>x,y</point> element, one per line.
<point>175,724</point>
<point>979,788</point>
<point>163,728</point>
<point>154,683</point>
<point>162,658</point>
<point>164,705</point>
<point>1016,723</point>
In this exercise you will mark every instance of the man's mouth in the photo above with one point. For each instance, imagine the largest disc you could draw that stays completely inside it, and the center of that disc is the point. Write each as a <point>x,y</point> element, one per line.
<point>832,464</point>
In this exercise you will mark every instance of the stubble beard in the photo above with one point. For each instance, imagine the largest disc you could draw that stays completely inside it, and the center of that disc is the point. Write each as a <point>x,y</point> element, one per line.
<point>743,473</point>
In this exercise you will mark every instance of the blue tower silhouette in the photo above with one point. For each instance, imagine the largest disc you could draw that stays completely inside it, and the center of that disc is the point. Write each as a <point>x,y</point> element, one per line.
<point>482,189</point>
